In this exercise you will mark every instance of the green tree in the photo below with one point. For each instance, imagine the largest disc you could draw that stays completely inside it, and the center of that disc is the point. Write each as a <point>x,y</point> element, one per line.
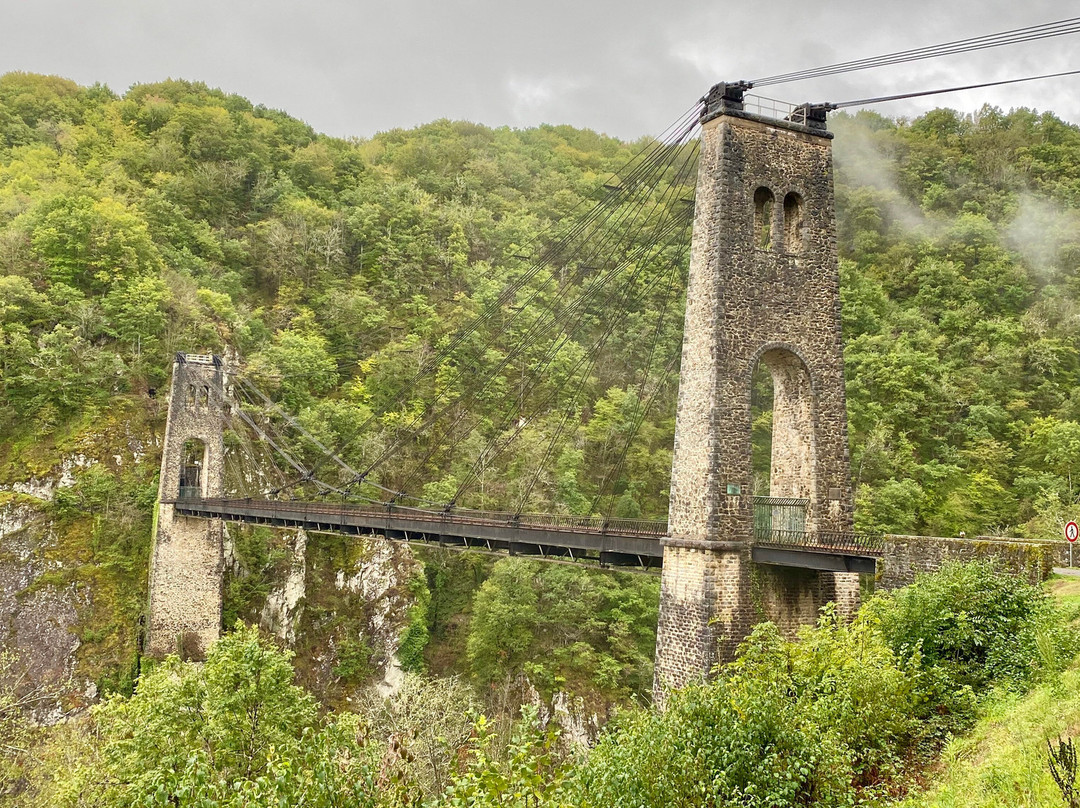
<point>233,732</point>
<point>90,243</point>
<point>504,621</point>
<point>137,312</point>
<point>298,366</point>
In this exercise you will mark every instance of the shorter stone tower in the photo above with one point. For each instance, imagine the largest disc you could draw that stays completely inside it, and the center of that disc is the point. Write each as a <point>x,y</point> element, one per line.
<point>763,289</point>
<point>186,564</point>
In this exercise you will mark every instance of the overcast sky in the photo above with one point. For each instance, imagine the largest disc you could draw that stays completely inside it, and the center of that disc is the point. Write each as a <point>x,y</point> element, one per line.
<point>628,68</point>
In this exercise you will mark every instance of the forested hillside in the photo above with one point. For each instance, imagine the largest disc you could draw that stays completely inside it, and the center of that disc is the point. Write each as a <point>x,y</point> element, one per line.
<point>180,218</point>
<point>960,291</point>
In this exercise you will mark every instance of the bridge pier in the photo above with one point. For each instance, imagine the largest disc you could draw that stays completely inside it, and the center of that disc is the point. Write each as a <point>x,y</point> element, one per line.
<point>713,594</point>
<point>186,564</point>
<point>763,289</point>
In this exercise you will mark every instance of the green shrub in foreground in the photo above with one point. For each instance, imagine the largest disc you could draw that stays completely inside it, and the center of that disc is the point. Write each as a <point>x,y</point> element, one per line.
<point>234,731</point>
<point>818,722</point>
<point>837,717</point>
<point>977,626</point>
<point>831,720</point>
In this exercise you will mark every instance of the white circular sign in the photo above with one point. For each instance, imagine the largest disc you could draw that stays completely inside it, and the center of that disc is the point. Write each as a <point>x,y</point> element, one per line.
<point>1072,531</point>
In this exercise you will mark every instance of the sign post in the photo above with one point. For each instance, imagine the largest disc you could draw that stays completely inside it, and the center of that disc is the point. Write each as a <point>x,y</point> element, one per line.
<point>1072,531</point>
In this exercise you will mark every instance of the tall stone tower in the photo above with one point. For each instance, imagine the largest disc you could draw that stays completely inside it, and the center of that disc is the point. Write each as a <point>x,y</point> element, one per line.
<point>763,289</point>
<point>186,565</point>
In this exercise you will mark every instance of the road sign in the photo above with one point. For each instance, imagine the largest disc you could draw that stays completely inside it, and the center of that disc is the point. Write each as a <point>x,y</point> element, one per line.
<point>1072,531</point>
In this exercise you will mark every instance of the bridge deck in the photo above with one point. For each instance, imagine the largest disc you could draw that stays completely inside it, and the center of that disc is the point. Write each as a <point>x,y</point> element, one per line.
<point>618,542</point>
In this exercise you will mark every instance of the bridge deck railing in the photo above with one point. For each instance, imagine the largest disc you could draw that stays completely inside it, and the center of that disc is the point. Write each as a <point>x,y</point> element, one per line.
<point>822,540</point>
<point>565,522</point>
<point>763,533</point>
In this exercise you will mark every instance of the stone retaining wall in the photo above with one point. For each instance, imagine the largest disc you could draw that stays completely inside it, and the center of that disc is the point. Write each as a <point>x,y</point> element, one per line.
<point>908,556</point>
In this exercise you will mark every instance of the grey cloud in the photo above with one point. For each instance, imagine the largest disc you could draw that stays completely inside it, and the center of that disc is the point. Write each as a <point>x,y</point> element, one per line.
<point>627,68</point>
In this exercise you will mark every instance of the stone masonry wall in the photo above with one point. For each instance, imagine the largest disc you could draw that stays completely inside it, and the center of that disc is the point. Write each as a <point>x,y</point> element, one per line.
<point>705,608</point>
<point>763,287</point>
<point>744,302</point>
<point>908,556</point>
<point>186,566</point>
<point>713,595</point>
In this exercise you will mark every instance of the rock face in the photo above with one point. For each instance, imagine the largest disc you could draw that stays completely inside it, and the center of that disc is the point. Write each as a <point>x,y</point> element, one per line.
<point>343,604</point>
<point>74,529</point>
<point>74,565</point>
<point>37,618</point>
<point>380,579</point>
<point>763,289</point>
<point>284,605</point>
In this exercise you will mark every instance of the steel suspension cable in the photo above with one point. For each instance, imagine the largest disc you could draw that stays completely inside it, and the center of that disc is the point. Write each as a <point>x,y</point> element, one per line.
<point>592,355</point>
<point>493,450</point>
<point>515,408</point>
<point>643,171</point>
<point>673,268</point>
<point>434,416</point>
<point>297,426</point>
<point>1026,34</point>
<point>643,410</point>
<point>247,448</point>
<point>547,321</point>
<point>679,131</point>
<point>644,406</point>
<point>523,343</point>
<point>882,99</point>
<point>553,352</point>
<point>306,474</point>
<point>266,437</point>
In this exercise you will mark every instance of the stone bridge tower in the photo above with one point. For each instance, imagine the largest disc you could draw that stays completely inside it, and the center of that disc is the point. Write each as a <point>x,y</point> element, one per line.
<point>186,565</point>
<point>763,289</point>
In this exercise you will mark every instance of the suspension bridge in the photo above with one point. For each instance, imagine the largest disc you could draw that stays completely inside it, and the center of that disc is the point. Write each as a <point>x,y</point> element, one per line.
<point>731,211</point>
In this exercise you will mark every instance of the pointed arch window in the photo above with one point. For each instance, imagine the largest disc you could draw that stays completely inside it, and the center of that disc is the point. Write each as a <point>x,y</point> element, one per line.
<point>793,223</point>
<point>763,217</point>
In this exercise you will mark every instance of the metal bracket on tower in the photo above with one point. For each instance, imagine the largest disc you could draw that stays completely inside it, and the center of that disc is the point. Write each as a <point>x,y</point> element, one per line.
<point>812,116</point>
<point>724,97</point>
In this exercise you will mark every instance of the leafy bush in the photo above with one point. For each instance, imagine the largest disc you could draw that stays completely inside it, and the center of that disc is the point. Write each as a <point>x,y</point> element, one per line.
<point>232,732</point>
<point>726,743</point>
<point>432,720</point>
<point>821,721</point>
<point>977,626</point>
<point>834,717</point>
<point>353,660</point>
<point>415,639</point>
<point>527,774</point>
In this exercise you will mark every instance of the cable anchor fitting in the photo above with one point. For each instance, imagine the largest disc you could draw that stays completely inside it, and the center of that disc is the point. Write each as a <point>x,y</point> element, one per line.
<point>812,116</point>
<point>724,97</point>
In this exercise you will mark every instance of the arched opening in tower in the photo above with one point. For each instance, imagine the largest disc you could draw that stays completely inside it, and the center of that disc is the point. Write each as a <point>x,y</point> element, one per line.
<point>783,451</point>
<point>192,463</point>
<point>793,223</point>
<point>763,218</point>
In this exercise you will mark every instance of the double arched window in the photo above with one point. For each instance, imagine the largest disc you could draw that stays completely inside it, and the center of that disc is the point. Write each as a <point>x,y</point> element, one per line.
<point>791,225</point>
